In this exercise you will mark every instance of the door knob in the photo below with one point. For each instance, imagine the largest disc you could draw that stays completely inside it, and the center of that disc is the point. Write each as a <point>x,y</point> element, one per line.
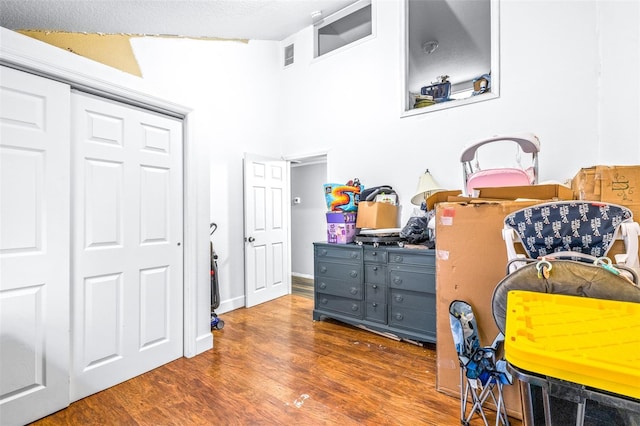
<point>251,239</point>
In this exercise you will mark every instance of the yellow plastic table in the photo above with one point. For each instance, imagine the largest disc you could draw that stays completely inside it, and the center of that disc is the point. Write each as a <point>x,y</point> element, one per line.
<point>575,348</point>
<point>587,341</point>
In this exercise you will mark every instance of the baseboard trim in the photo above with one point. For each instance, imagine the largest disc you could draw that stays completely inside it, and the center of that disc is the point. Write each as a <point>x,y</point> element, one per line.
<point>299,275</point>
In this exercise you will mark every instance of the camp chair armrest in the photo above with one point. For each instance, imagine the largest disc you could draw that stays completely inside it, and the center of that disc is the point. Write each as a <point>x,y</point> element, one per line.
<point>497,342</point>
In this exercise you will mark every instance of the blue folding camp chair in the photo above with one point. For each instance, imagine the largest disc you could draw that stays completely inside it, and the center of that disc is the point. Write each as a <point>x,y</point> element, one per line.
<point>482,373</point>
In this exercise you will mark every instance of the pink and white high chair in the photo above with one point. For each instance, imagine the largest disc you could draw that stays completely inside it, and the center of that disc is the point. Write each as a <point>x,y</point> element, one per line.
<point>476,177</point>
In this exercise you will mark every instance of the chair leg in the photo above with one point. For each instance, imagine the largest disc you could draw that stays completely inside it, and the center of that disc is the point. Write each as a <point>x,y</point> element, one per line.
<point>501,409</point>
<point>546,403</point>
<point>580,412</point>
<point>463,395</point>
<point>478,400</point>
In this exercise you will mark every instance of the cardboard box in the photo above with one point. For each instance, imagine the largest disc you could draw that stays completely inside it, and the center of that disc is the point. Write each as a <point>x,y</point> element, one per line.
<point>471,260</point>
<point>440,196</point>
<point>341,227</point>
<point>531,192</point>
<point>377,215</point>
<point>613,184</point>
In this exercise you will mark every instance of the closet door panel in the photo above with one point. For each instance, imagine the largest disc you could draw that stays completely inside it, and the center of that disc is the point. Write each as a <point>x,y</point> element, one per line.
<point>34,246</point>
<point>127,251</point>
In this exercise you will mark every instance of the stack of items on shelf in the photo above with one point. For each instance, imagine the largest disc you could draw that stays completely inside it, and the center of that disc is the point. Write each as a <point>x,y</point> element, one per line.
<point>423,101</point>
<point>342,202</point>
<point>439,91</point>
<point>352,208</point>
<point>378,208</point>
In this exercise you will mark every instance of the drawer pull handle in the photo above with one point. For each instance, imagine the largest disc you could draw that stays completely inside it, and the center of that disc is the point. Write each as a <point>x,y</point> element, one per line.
<point>324,301</point>
<point>398,258</point>
<point>354,290</point>
<point>323,269</point>
<point>397,280</point>
<point>375,268</point>
<point>354,307</point>
<point>374,253</point>
<point>375,286</point>
<point>323,285</point>
<point>399,317</point>
<point>353,274</point>
<point>399,298</point>
<point>375,305</point>
<point>354,255</point>
<point>323,252</point>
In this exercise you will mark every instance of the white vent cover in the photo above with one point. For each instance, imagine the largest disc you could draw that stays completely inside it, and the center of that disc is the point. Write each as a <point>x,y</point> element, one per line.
<point>288,55</point>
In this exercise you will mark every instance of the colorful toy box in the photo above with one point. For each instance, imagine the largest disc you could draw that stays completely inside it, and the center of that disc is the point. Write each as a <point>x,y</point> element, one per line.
<point>341,227</point>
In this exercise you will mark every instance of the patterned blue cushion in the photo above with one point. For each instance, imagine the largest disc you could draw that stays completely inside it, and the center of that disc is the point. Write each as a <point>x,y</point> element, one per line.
<point>585,226</point>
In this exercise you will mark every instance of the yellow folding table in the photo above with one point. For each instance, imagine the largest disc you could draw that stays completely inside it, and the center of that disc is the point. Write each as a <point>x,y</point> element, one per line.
<point>578,347</point>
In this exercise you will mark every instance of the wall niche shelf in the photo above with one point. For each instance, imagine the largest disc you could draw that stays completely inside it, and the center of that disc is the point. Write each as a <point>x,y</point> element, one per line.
<point>456,39</point>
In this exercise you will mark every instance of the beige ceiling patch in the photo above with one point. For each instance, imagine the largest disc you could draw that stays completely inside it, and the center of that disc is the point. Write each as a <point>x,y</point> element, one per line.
<point>113,50</point>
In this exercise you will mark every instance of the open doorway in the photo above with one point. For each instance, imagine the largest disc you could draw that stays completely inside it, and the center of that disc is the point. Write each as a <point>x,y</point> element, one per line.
<point>308,223</point>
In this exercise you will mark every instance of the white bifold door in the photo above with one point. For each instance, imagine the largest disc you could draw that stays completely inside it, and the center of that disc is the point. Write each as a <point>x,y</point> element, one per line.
<point>91,256</point>
<point>34,246</point>
<point>127,242</point>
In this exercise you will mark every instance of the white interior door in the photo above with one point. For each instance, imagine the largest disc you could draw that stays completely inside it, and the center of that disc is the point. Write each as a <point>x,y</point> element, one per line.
<point>266,221</point>
<point>34,247</point>
<point>127,242</point>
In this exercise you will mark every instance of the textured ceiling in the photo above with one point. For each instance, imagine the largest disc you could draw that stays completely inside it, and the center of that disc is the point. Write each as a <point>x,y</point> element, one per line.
<point>243,19</point>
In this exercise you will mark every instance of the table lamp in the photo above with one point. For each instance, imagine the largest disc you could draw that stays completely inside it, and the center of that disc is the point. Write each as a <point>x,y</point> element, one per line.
<point>426,187</point>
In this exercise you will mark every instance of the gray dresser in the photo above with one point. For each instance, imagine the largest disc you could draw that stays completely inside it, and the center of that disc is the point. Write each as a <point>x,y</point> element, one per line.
<point>389,290</point>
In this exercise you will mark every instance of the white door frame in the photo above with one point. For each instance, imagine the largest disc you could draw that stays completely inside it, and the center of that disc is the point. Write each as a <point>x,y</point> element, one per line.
<point>27,54</point>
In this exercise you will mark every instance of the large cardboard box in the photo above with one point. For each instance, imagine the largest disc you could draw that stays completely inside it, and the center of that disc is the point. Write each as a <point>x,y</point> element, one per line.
<point>470,261</point>
<point>377,215</point>
<point>613,184</point>
<point>532,192</point>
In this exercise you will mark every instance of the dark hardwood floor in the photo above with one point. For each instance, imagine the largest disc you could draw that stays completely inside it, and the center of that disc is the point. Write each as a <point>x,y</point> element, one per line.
<point>273,365</point>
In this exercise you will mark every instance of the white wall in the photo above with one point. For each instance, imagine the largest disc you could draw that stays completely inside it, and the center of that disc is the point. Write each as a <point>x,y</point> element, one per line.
<point>568,73</point>
<point>550,67</point>
<point>234,88</point>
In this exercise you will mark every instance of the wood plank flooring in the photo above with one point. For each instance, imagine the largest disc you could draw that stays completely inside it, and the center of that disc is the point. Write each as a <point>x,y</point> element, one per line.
<point>302,286</point>
<point>273,365</point>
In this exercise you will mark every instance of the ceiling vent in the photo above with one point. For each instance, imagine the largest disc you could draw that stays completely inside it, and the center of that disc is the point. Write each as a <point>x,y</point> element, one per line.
<point>288,55</point>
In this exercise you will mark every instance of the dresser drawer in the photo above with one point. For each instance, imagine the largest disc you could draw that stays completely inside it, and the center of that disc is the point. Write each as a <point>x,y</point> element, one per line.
<point>412,278</point>
<point>375,293</point>
<point>347,272</point>
<point>423,321</point>
<point>375,274</point>
<point>328,302</point>
<point>412,257</point>
<point>376,312</point>
<point>339,288</point>
<point>413,300</point>
<point>375,255</point>
<point>353,253</point>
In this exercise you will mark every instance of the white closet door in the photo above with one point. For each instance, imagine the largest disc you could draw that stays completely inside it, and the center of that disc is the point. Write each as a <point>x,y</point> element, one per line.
<point>34,246</point>
<point>127,243</point>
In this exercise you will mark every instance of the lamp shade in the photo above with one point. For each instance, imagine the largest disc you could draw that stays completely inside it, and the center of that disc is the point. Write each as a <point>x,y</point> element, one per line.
<point>426,186</point>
